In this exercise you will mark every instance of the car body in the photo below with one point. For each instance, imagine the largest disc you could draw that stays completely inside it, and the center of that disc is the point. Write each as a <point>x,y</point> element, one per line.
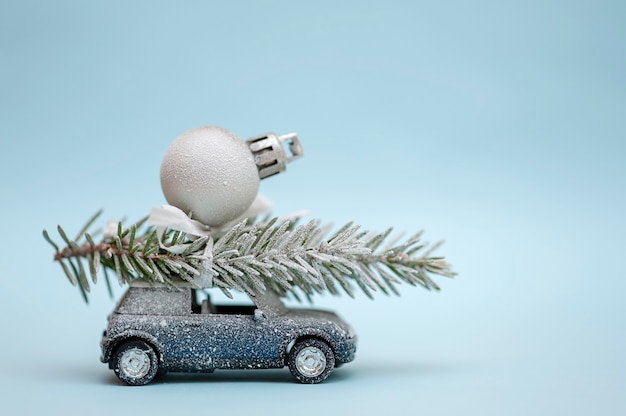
<point>164,329</point>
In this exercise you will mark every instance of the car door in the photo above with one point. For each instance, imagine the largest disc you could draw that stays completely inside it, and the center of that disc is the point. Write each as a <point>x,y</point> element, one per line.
<point>239,341</point>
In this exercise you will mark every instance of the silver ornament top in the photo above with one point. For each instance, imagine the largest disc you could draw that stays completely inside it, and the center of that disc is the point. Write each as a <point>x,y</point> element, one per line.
<point>269,155</point>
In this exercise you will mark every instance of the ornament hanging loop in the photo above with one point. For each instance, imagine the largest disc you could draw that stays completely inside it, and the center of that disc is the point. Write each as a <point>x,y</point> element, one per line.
<point>269,154</point>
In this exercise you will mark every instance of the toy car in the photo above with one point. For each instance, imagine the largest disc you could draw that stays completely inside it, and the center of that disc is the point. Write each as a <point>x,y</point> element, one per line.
<point>161,329</point>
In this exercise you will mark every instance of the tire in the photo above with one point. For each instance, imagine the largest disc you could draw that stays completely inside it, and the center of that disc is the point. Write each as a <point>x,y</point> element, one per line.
<point>135,363</point>
<point>311,361</point>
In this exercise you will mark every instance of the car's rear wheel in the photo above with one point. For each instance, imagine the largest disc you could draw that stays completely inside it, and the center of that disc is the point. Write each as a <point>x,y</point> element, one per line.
<point>135,363</point>
<point>311,360</point>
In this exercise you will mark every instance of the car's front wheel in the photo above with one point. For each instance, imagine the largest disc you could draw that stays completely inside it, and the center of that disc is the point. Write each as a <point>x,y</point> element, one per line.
<point>135,363</point>
<point>311,360</point>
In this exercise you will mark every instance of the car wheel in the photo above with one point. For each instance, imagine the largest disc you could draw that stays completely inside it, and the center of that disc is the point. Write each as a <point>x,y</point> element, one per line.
<point>311,360</point>
<point>135,363</point>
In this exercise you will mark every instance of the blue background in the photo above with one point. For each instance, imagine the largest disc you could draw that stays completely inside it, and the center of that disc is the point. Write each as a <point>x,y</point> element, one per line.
<point>496,125</point>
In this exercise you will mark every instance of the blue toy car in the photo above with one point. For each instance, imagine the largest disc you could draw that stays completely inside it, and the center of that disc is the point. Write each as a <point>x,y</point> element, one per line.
<point>160,329</point>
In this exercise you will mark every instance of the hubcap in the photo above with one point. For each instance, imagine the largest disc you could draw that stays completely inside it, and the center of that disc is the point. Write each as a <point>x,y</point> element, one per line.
<point>135,363</point>
<point>311,361</point>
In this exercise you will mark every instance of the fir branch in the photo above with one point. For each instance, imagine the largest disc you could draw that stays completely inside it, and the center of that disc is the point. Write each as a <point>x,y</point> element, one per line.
<point>286,258</point>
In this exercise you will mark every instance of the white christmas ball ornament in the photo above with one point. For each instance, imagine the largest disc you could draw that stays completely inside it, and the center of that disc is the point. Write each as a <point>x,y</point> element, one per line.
<point>211,173</point>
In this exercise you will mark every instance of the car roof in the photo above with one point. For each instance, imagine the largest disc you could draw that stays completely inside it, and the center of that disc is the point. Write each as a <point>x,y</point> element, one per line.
<point>155,300</point>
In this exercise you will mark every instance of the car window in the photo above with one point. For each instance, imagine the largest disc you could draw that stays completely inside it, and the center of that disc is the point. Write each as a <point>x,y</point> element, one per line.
<point>204,305</point>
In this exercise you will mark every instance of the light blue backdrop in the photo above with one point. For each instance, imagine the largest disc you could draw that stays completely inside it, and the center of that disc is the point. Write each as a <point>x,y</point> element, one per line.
<point>496,125</point>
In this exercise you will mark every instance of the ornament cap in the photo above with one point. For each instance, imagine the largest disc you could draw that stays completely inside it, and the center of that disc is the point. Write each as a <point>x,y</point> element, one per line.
<point>269,155</point>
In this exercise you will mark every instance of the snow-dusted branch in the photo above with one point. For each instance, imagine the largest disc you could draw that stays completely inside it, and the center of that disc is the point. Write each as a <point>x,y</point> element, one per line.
<point>284,257</point>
